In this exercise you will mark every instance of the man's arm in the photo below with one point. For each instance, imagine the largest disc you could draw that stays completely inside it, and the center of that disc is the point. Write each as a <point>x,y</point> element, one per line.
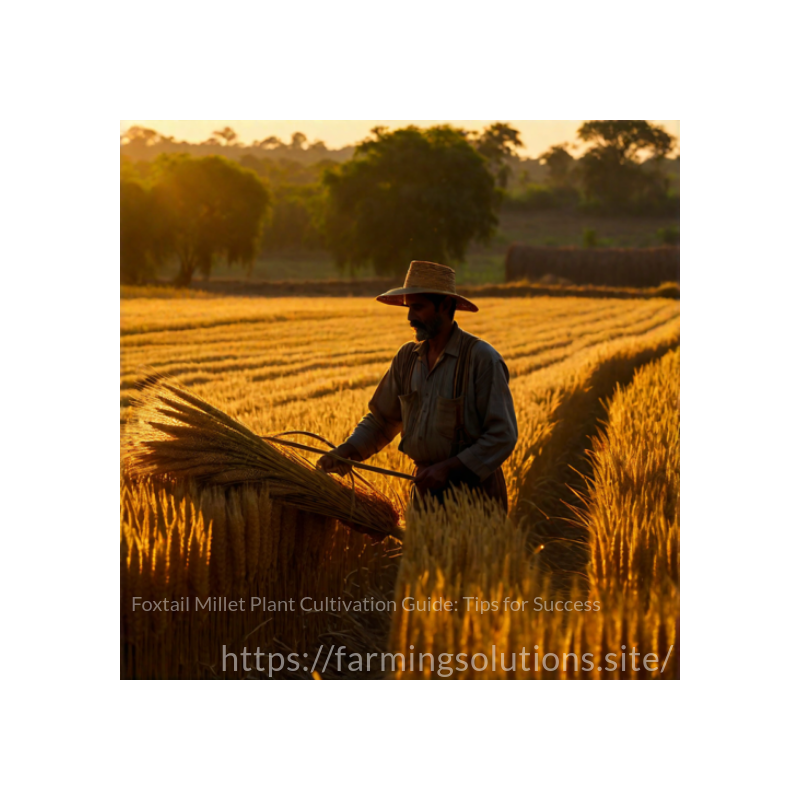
<point>378,427</point>
<point>499,429</point>
<point>330,464</point>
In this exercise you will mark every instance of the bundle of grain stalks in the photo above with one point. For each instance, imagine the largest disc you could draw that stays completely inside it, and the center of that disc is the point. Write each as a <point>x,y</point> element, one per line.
<point>175,434</point>
<point>192,546</point>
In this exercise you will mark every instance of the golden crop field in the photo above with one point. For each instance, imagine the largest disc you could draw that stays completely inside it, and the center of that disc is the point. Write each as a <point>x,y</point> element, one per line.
<point>593,512</point>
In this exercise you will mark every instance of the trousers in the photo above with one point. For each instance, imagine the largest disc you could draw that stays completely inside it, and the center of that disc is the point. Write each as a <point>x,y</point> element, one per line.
<point>494,487</point>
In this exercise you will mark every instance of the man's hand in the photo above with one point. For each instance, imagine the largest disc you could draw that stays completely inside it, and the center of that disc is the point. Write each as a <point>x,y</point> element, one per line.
<point>436,476</point>
<point>330,464</point>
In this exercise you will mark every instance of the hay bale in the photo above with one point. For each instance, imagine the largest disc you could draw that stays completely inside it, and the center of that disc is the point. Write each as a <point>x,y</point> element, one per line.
<point>635,267</point>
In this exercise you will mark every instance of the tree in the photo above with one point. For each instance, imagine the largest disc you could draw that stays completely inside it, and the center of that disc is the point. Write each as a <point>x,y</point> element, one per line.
<point>559,163</point>
<point>126,169</point>
<point>139,142</point>
<point>295,219</point>
<point>214,209</point>
<point>298,140</point>
<point>628,139</point>
<point>497,144</point>
<point>228,135</point>
<point>270,143</point>
<point>318,147</point>
<point>136,134</point>
<point>143,239</point>
<point>612,167</point>
<point>410,194</point>
<point>258,165</point>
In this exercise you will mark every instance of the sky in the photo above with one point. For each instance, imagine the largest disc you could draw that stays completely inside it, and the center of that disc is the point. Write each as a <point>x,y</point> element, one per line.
<point>537,135</point>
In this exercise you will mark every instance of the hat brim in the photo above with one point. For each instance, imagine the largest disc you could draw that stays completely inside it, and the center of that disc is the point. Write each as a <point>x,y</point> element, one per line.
<point>394,297</point>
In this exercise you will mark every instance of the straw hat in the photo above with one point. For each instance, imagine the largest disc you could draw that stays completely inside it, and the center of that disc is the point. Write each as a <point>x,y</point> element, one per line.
<point>425,277</point>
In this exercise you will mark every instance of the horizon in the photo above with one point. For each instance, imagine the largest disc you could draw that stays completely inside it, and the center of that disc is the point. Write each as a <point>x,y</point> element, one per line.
<point>537,135</point>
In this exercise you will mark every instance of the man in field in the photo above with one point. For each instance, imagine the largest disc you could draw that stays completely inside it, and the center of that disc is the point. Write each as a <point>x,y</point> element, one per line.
<point>447,396</point>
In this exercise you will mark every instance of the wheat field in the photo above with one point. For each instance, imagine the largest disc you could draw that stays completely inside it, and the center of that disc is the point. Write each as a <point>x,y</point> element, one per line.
<point>593,505</point>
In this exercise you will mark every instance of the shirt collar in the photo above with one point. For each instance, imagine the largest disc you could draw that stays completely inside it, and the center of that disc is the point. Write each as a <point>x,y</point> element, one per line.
<point>451,348</point>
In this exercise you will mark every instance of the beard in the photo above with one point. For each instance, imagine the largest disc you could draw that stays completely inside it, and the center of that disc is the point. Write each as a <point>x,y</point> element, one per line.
<point>428,331</point>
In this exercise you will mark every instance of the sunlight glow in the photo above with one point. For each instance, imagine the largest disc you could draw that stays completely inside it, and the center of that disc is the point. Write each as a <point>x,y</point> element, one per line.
<point>537,135</point>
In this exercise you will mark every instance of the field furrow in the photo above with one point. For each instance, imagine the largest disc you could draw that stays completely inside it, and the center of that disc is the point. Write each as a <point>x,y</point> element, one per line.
<point>528,340</point>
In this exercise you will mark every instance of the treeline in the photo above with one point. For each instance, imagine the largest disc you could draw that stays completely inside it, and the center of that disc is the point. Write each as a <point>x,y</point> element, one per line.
<point>146,144</point>
<point>401,193</point>
<point>394,196</point>
<point>195,211</point>
<point>158,200</point>
<point>624,170</point>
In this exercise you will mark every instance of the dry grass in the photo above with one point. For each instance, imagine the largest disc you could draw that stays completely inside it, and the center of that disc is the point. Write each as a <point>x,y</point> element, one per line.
<point>372,287</point>
<point>634,502</point>
<point>312,365</point>
<point>472,552</point>
<point>162,292</point>
<point>620,552</point>
<point>185,545</point>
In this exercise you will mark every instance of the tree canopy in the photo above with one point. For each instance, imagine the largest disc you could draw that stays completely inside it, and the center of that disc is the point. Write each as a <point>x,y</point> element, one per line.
<point>559,163</point>
<point>627,139</point>
<point>498,144</point>
<point>405,194</point>
<point>227,135</point>
<point>140,244</point>
<point>612,168</point>
<point>214,209</point>
<point>409,194</point>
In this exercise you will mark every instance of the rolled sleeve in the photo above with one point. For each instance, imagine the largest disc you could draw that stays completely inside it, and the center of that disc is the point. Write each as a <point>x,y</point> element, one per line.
<point>384,420</point>
<point>499,429</point>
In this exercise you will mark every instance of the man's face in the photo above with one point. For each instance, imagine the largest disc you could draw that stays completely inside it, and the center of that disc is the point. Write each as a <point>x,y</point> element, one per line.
<point>423,316</point>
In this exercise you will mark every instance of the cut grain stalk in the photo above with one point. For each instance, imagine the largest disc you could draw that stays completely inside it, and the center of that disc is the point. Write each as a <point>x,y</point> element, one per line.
<point>174,434</point>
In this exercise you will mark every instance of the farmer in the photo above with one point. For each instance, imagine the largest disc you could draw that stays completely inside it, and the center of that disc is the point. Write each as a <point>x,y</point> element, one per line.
<point>447,396</point>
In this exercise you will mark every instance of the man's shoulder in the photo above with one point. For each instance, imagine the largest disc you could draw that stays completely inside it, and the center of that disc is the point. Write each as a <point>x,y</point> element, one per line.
<point>484,353</point>
<point>405,350</point>
<point>404,356</point>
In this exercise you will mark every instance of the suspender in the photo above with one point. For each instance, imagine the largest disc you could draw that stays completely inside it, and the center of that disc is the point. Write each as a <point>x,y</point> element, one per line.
<point>406,369</point>
<point>461,377</point>
<point>461,438</point>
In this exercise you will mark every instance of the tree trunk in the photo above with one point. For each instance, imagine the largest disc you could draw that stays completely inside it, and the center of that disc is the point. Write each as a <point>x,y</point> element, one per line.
<point>185,273</point>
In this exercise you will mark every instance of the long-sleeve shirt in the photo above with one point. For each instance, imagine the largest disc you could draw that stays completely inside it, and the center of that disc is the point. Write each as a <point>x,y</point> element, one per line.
<point>426,416</point>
